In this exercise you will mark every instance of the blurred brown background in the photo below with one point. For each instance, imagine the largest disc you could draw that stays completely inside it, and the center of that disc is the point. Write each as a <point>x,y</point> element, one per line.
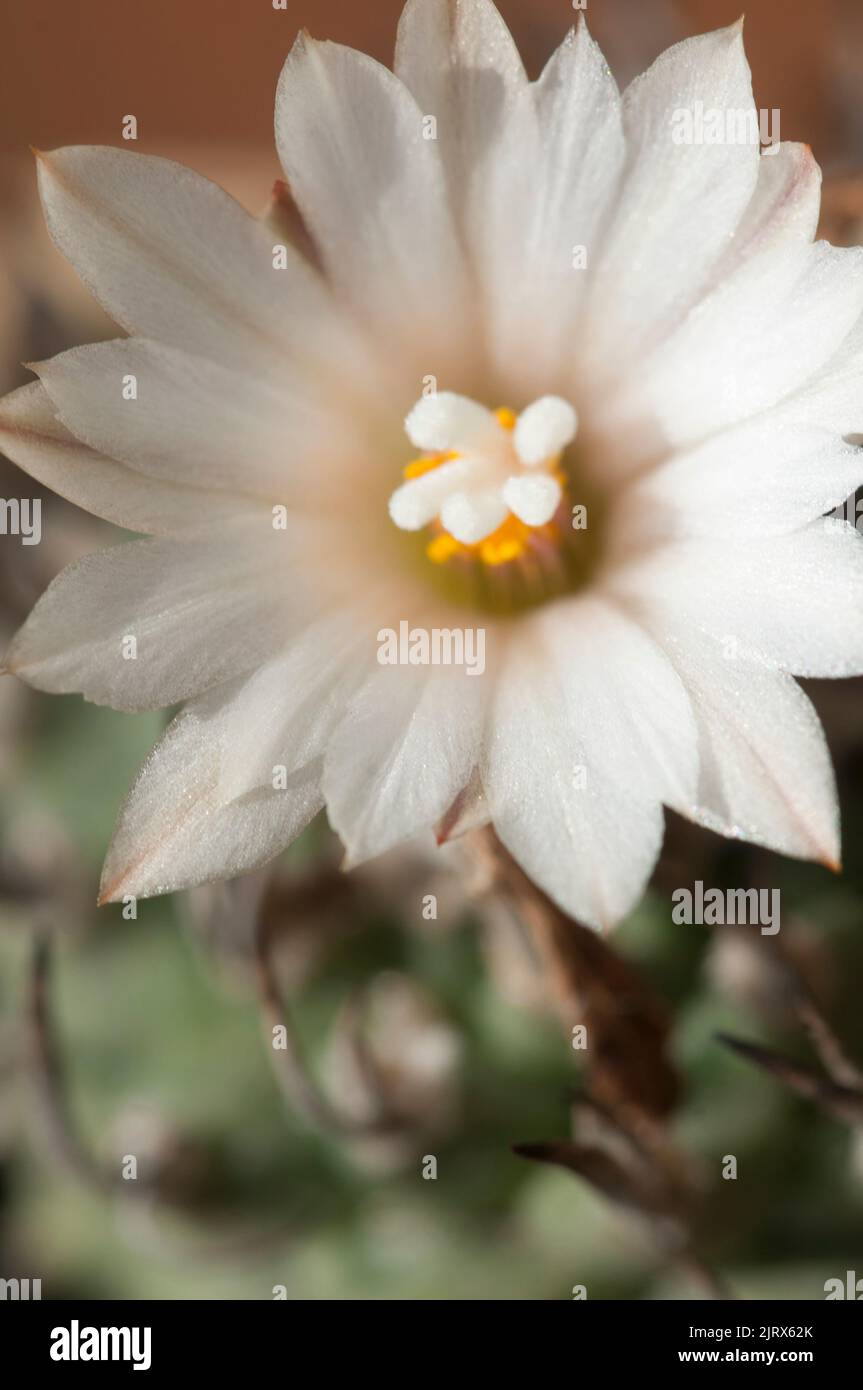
<point>204,71</point>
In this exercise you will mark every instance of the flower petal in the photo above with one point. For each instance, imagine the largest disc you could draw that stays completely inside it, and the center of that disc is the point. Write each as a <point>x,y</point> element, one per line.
<point>386,779</point>
<point>198,422</point>
<point>765,771</point>
<point>177,829</point>
<point>171,256</point>
<point>791,601</point>
<point>33,437</point>
<point>764,333</point>
<point>785,205</point>
<point>202,609</point>
<point>548,194</point>
<point>762,478</point>
<point>679,203</point>
<point>459,60</point>
<point>590,731</point>
<point>350,138</point>
<point>288,708</point>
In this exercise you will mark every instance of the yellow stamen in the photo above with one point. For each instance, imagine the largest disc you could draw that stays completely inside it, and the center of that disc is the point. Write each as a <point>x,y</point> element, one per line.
<point>508,542</point>
<point>442,547</point>
<point>417,467</point>
<point>511,539</point>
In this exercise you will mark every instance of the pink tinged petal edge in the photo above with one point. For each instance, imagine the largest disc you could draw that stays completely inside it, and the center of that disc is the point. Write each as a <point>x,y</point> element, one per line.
<point>469,811</point>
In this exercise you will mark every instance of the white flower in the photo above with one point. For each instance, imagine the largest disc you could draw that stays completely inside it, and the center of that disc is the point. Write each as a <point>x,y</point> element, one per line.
<point>617,322</point>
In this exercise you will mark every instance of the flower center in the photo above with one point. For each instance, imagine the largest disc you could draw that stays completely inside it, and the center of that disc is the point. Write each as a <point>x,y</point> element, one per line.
<point>482,471</point>
<point>489,493</point>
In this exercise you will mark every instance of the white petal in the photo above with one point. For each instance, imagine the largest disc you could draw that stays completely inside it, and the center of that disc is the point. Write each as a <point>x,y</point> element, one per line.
<point>549,190</point>
<point>176,828</point>
<point>287,709</point>
<point>833,398</point>
<point>198,422</point>
<point>445,420</point>
<point>388,778</point>
<point>591,729</point>
<point>760,479</point>
<point>765,772</point>
<point>33,437</point>
<point>171,256</point>
<point>534,497</point>
<point>785,205</point>
<point>350,138</point>
<point>202,608</point>
<point>544,429</point>
<point>679,204</point>
<point>459,60</point>
<point>471,516</point>
<point>756,339</point>
<point>790,601</point>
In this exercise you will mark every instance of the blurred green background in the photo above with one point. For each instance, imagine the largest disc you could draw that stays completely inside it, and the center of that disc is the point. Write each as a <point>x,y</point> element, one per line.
<point>165,1057</point>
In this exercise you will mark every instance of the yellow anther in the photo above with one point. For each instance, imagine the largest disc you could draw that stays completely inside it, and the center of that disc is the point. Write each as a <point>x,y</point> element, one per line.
<point>417,467</point>
<point>507,417</point>
<point>499,552</point>
<point>506,543</point>
<point>442,548</point>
